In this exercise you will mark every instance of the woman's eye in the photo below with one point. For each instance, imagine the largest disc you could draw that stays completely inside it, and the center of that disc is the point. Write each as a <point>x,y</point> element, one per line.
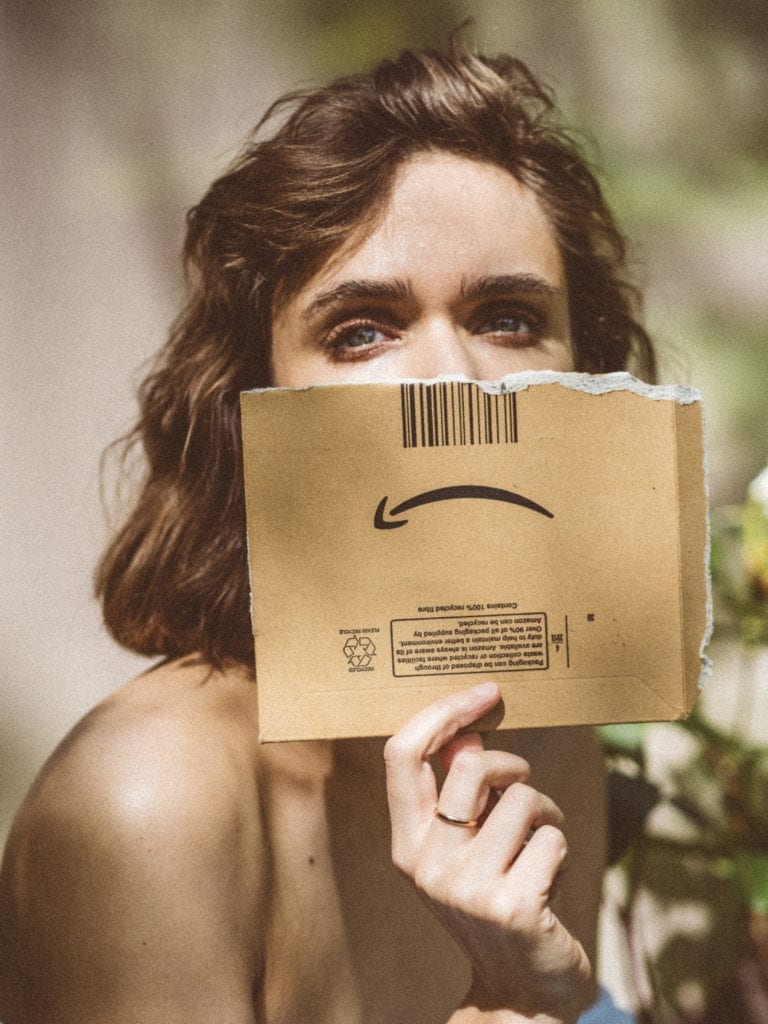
<point>358,337</point>
<point>520,326</point>
<point>351,339</point>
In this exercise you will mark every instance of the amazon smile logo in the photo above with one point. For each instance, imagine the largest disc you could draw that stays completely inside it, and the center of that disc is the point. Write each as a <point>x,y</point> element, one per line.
<point>477,491</point>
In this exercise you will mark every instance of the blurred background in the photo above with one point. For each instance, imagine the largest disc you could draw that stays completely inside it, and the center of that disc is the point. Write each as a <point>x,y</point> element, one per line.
<point>116,118</point>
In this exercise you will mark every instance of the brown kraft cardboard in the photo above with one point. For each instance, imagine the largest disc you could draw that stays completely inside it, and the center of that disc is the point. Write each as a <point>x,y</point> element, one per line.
<point>406,540</point>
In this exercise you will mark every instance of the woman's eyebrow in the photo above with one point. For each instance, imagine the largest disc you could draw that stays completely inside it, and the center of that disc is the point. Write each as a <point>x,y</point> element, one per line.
<point>389,291</point>
<point>497,285</point>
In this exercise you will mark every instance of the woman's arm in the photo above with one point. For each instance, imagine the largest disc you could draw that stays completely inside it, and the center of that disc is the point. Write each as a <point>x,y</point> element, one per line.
<point>490,885</point>
<point>131,885</point>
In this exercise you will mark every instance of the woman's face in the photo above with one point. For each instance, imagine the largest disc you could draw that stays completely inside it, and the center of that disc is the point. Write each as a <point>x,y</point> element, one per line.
<point>462,275</point>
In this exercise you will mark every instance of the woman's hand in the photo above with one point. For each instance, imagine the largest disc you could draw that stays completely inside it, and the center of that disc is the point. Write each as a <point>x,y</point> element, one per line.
<point>489,880</point>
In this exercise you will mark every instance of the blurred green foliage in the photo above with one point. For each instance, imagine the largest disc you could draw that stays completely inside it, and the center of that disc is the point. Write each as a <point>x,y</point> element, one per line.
<point>339,37</point>
<point>740,572</point>
<point>692,834</point>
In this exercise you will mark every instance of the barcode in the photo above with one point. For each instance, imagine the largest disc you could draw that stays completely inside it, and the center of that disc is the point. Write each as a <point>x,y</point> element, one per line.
<point>453,413</point>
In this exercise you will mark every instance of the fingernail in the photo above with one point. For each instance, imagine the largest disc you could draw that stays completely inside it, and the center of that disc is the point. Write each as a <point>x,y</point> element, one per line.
<point>486,690</point>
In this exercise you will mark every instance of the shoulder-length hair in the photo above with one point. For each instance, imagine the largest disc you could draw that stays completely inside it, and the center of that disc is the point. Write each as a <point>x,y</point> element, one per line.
<point>174,580</point>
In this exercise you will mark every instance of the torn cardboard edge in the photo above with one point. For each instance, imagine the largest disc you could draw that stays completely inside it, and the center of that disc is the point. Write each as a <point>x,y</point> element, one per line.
<point>624,693</point>
<point>590,383</point>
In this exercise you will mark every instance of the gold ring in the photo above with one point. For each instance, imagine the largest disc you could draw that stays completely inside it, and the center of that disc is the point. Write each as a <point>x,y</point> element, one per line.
<point>450,820</point>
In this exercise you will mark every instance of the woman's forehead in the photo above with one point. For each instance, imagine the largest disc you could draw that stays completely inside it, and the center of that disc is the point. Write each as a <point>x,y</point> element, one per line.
<point>447,218</point>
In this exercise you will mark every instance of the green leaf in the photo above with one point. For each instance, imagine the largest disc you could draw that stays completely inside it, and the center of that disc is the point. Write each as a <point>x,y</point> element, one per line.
<point>751,873</point>
<point>623,739</point>
<point>754,542</point>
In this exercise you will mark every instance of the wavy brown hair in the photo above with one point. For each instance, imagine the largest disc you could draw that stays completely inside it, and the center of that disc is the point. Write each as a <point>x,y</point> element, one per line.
<point>174,580</point>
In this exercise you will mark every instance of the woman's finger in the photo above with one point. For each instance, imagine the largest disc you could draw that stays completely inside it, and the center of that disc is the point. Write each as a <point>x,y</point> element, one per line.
<point>509,828</point>
<point>539,863</point>
<point>464,741</point>
<point>411,786</point>
<point>472,779</point>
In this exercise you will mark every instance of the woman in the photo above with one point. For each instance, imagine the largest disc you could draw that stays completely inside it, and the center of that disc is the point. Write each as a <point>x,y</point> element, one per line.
<point>426,218</point>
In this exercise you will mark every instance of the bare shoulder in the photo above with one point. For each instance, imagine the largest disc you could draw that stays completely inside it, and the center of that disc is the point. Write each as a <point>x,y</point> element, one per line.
<point>137,856</point>
<point>174,747</point>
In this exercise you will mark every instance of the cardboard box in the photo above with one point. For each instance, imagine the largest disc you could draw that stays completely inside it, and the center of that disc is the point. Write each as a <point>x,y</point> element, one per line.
<point>547,532</point>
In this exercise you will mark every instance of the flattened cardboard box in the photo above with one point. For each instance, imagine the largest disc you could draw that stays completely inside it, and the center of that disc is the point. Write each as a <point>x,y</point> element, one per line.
<point>547,532</point>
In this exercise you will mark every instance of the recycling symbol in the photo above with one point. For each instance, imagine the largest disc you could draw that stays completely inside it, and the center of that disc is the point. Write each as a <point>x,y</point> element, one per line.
<point>359,651</point>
